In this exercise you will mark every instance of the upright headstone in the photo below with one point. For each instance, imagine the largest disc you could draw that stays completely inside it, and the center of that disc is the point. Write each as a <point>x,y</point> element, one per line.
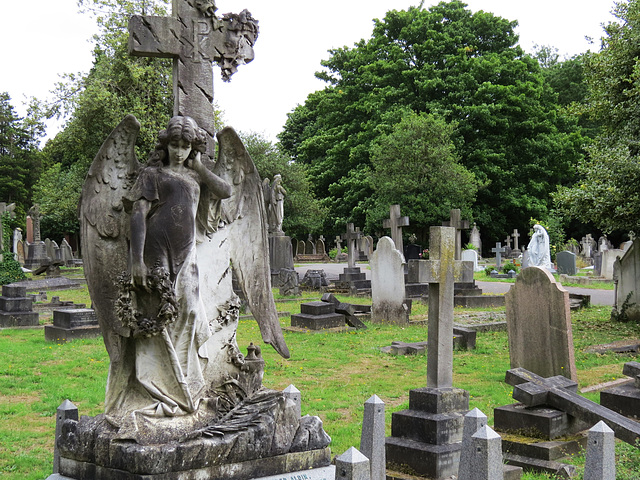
<point>471,256</point>
<point>427,437</point>
<point>372,438</point>
<point>395,222</point>
<point>539,325</point>
<point>455,221</point>
<point>566,262</point>
<point>300,247</point>
<point>515,235</point>
<point>486,459</point>
<point>609,256</point>
<point>474,238</point>
<point>66,253</point>
<point>627,273</point>
<point>387,284</point>
<point>600,462</point>
<point>29,229</point>
<point>339,244</point>
<point>66,411</point>
<point>507,242</point>
<point>17,237</point>
<point>498,250</point>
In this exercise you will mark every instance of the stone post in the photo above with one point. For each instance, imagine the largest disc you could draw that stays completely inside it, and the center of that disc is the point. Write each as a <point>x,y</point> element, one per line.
<point>293,394</point>
<point>473,421</point>
<point>352,465</point>
<point>66,411</point>
<point>373,437</point>
<point>601,458</point>
<point>486,460</point>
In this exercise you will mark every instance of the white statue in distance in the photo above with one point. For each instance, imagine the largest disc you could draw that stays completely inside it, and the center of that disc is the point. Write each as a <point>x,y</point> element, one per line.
<point>538,248</point>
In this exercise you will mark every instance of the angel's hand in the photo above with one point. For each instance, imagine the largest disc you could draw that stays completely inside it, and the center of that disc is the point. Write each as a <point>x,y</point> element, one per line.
<point>139,275</point>
<point>197,164</point>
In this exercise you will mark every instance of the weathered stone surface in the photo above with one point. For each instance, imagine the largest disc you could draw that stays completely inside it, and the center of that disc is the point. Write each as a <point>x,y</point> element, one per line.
<point>566,262</point>
<point>74,318</point>
<point>352,465</point>
<point>473,421</point>
<point>538,422</point>
<point>395,222</point>
<point>627,272</point>
<point>539,325</point>
<point>486,456</point>
<point>387,284</point>
<point>556,469</point>
<point>372,439</point>
<point>431,461</point>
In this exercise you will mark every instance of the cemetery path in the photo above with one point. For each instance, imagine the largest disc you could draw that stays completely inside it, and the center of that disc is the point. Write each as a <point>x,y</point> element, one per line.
<point>332,270</point>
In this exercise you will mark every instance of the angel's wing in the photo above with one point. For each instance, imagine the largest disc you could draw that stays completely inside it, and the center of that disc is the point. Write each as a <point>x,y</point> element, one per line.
<point>245,215</point>
<point>104,225</point>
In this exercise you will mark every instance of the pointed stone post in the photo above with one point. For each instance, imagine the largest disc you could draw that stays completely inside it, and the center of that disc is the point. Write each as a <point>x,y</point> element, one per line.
<point>373,437</point>
<point>601,457</point>
<point>473,421</point>
<point>486,460</point>
<point>352,465</point>
<point>293,394</point>
<point>66,411</point>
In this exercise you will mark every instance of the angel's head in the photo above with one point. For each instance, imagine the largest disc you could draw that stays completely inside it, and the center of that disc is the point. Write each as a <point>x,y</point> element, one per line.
<point>181,129</point>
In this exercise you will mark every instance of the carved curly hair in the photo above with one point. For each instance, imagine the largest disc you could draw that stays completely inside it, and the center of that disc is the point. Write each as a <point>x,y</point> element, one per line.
<point>179,128</point>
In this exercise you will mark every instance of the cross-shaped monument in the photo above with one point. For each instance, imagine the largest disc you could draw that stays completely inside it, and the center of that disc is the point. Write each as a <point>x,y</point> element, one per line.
<point>498,250</point>
<point>441,271</point>
<point>194,37</point>
<point>395,222</point>
<point>515,235</point>
<point>455,220</point>
<point>507,241</point>
<point>351,237</point>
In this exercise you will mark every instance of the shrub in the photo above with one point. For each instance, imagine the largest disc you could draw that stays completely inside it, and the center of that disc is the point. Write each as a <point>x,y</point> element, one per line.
<point>10,270</point>
<point>508,267</point>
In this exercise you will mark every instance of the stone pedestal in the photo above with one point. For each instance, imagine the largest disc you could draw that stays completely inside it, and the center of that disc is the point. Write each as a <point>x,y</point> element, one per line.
<point>36,255</point>
<point>280,256</point>
<point>427,437</point>
<point>624,399</point>
<point>353,280</point>
<point>16,309</point>
<point>317,316</point>
<point>72,324</point>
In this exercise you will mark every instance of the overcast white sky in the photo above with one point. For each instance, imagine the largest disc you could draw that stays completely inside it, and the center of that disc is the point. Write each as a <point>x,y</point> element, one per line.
<point>41,39</point>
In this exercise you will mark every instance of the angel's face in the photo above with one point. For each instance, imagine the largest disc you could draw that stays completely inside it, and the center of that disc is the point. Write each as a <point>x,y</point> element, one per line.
<point>179,151</point>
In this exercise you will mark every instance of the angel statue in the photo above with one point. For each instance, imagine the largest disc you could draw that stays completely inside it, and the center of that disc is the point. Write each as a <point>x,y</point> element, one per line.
<point>538,248</point>
<point>274,200</point>
<point>159,243</point>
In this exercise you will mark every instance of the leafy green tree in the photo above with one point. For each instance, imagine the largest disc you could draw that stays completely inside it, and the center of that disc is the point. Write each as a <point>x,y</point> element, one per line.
<point>303,214</point>
<point>607,192</point>
<point>415,165</point>
<point>19,156</point>
<point>462,66</point>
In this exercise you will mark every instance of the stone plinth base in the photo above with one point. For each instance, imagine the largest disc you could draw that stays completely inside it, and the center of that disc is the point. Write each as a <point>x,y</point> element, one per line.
<point>426,439</point>
<point>280,256</point>
<point>280,466</point>
<point>537,422</point>
<point>624,399</point>
<point>16,309</point>
<point>61,335</point>
<point>317,316</point>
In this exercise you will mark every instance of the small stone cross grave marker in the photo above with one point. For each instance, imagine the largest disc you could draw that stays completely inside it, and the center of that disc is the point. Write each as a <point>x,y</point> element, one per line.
<point>515,235</point>
<point>455,220</point>
<point>498,250</point>
<point>395,222</point>
<point>351,237</point>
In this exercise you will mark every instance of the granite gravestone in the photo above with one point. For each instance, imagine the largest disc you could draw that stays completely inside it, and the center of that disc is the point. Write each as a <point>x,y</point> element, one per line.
<point>539,325</point>
<point>566,262</point>
<point>387,285</point>
<point>471,256</point>
<point>609,257</point>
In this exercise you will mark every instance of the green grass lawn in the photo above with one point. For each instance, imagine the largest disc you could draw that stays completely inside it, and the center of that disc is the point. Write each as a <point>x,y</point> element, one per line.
<point>336,373</point>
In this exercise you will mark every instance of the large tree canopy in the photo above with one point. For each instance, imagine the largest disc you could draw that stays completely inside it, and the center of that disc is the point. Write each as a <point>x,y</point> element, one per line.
<point>19,156</point>
<point>607,191</point>
<point>462,66</point>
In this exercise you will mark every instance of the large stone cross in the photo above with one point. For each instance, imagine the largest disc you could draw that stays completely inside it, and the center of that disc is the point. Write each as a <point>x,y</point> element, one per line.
<point>498,250</point>
<point>561,393</point>
<point>195,38</point>
<point>455,220</point>
<point>351,237</point>
<point>441,271</point>
<point>395,222</point>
